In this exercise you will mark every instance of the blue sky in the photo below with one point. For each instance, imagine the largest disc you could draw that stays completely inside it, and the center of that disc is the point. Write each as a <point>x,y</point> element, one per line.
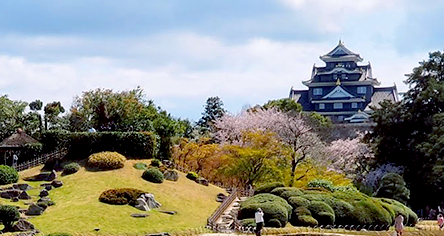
<point>180,52</point>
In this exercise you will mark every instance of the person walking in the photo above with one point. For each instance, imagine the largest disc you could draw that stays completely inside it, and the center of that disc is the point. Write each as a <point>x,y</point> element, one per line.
<point>440,221</point>
<point>259,218</point>
<point>399,224</point>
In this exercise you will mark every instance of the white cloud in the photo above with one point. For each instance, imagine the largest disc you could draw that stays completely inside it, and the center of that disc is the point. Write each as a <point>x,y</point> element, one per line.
<point>193,67</point>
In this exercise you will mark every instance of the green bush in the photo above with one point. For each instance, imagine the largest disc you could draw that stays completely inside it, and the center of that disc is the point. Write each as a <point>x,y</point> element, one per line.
<point>8,214</point>
<point>296,202</point>
<point>120,196</point>
<point>344,211</point>
<point>268,187</point>
<point>291,193</point>
<point>153,175</point>
<point>250,222</point>
<point>322,212</point>
<point>192,175</point>
<point>280,190</point>
<point>71,168</point>
<point>106,160</point>
<point>274,207</point>
<point>322,183</point>
<point>140,166</point>
<point>8,175</point>
<point>274,223</point>
<point>156,163</point>
<point>82,144</point>
<point>306,220</point>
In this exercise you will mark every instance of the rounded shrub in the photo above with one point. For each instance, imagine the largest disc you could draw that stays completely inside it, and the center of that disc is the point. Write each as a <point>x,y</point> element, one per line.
<point>274,223</point>
<point>250,222</point>
<point>120,196</point>
<point>140,166</point>
<point>344,211</point>
<point>153,175</point>
<point>296,202</point>
<point>71,168</point>
<point>322,212</point>
<point>280,190</point>
<point>268,187</point>
<point>106,160</point>
<point>291,193</point>
<point>274,207</point>
<point>192,175</point>
<point>9,214</point>
<point>306,220</point>
<point>8,175</point>
<point>156,163</point>
<point>322,183</point>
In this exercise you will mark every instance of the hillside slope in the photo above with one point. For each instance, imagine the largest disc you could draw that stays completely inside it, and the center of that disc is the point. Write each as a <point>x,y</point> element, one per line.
<point>78,210</point>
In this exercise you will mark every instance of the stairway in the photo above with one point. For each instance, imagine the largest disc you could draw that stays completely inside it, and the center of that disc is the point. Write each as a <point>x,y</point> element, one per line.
<point>225,223</point>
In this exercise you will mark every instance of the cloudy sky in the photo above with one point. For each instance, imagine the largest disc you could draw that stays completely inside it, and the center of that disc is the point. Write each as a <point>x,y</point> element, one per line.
<point>180,52</point>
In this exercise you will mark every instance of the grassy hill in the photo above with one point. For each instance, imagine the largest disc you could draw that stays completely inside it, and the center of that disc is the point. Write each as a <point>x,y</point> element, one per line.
<point>79,211</point>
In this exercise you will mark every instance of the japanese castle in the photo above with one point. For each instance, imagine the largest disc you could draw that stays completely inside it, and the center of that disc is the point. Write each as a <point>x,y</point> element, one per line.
<point>342,89</point>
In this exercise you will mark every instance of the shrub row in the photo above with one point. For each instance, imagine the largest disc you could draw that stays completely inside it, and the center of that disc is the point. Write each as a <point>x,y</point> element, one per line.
<point>120,196</point>
<point>81,144</point>
<point>319,205</point>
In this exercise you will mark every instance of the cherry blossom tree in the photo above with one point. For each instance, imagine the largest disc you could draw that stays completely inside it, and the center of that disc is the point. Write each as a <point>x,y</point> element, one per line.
<point>290,129</point>
<point>349,156</point>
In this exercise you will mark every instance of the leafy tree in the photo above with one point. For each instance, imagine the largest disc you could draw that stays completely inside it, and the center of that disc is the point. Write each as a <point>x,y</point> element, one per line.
<point>52,111</point>
<point>213,111</point>
<point>166,127</point>
<point>408,133</point>
<point>259,159</point>
<point>292,130</point>
<point>392,186</point>
<point>12,116</point>
<point>37,106</point>
<point>8,214</point>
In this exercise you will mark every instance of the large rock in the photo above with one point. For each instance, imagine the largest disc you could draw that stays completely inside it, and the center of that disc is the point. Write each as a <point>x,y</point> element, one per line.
<point>44,193</point>
<point>22,186</point>
<point>168,163</point>
<point>34,210</point>
<point>52,176</point>
<point>57,183</point>
<point>149,199</point>
<point>171,175</point>
<point>24,195</point>
<point>142,205</point>
<point>202,181</point>
<point>23,225</point>
<point>44,199</point>
<point>10,194</point>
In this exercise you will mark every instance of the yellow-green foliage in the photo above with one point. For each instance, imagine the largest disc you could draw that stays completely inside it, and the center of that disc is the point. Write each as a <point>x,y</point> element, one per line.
<point>311,172</point>
<point>106,160</point>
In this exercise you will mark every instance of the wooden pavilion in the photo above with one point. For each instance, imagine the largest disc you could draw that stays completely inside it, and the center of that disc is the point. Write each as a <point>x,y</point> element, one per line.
<point>13,147</point>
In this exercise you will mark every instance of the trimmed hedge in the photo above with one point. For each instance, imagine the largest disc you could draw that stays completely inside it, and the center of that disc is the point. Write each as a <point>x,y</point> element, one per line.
<point>153,175</point>
<point>8,175</point>
<point>120,196</point>
<point>71,168</point>
<point>250,222</point>
<point>192,175</point>
<point>274,207</point>
<point>82,144</point>
<point>106,160</point>
<point>268,187</point>
<point>319,206</point>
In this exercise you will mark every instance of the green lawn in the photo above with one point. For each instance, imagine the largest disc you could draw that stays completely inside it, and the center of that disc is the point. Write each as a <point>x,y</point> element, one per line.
<point>78,210</point>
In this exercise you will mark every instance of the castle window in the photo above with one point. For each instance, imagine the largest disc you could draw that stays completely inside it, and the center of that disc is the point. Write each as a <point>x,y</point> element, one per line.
<point>354,105</point>
<point>343,76</point>
<point>362,90</point>
<point>321,106</point>
<point>337,105</point>
<point>317,91</point>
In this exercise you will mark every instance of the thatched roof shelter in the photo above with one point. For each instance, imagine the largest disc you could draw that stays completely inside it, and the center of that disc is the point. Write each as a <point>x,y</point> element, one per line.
<point>17,140</point>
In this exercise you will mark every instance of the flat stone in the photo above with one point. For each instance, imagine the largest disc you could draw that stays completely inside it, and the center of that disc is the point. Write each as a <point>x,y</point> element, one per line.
<point>22,186</point>
<point>159,234</point>
<point>138,215</point>
<point>168,212</point>
<point>57,183</point>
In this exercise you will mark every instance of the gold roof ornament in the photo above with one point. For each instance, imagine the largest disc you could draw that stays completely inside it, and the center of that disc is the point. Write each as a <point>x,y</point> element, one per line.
<point>338,82</point>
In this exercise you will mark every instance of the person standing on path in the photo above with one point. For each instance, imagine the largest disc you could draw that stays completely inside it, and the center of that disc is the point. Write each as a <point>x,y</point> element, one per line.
<point>399,225</point>
<point>259,218</point>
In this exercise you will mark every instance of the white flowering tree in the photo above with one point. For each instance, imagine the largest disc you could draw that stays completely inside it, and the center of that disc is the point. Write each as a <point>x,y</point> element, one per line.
<point>290,129</point>
<point>349,156</point>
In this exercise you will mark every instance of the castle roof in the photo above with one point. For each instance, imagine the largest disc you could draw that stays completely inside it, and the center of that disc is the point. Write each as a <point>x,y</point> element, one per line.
<point>341,53</point>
